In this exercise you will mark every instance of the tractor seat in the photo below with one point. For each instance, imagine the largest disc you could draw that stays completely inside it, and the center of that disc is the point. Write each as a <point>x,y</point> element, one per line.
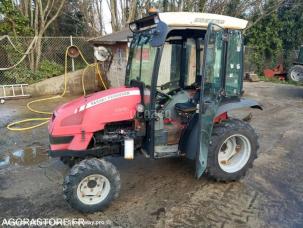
<point>190,105</point>
<point>186,107</point>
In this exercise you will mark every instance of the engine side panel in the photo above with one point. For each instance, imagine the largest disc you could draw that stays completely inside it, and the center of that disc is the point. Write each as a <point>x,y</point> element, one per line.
<point>82,117</point>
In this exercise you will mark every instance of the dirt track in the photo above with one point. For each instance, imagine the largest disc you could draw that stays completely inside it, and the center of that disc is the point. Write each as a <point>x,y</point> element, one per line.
<point>164,192</point>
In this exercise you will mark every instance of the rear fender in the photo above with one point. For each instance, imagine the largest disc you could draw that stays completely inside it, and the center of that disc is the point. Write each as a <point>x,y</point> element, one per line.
<point>242,103</point>
<point>189,136</point>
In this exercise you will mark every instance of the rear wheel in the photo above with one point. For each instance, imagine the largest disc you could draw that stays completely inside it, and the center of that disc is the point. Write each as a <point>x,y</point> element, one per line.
<point>91,185</point>
<point>296,73</point>
<point>232,150</point>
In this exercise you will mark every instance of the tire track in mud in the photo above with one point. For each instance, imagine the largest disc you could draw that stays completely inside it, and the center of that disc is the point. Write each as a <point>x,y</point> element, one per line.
<point>280,181</point>
<point>217,205</point>
<point>268,197</point>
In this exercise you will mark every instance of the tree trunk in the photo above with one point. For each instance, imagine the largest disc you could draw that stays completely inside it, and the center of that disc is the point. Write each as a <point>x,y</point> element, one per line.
<point>180,5</point>
<point>165,5</point>
<point>41,24</point>
<point>98,4</point>
<point>31,60</point>
<point>132,12</point>
<point>38,53</point>
<point>202,5</point>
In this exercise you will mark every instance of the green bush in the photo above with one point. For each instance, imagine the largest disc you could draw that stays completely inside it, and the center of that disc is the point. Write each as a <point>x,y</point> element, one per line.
<point>22,74</point>
<point>50,69</point>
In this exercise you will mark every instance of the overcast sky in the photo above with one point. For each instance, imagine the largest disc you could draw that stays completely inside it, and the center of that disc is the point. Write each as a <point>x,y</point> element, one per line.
<point>106,17</point>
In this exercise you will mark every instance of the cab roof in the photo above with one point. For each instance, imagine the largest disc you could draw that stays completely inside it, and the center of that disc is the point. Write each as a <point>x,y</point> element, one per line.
<point>188,19</point>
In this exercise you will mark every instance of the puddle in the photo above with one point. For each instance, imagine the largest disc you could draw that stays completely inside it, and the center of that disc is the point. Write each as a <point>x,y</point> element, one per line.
<point>24,157</point>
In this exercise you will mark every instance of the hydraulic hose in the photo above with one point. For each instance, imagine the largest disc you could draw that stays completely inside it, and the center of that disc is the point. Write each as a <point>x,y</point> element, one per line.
<point>45,120</point>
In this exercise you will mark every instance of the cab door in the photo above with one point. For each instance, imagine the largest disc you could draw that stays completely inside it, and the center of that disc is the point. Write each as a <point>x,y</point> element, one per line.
<point>211,90</point>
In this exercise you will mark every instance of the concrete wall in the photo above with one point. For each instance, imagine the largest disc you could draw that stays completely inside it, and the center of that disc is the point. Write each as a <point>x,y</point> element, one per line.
<point>55,85</point>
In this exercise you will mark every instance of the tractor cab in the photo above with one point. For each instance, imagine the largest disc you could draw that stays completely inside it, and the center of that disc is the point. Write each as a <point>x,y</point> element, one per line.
<point>186,65</point>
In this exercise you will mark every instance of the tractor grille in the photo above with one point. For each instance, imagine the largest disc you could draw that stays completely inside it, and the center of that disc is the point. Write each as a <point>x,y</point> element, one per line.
<point>60,140</point>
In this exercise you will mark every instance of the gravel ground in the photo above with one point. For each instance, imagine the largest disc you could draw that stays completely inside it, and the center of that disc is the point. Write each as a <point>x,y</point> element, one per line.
<point>164,193</point>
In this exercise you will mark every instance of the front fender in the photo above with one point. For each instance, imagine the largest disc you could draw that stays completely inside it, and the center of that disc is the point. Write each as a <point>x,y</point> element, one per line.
<point>242,103</point>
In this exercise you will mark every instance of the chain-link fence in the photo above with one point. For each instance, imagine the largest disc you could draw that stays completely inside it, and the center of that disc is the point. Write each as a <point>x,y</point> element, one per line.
<point>45,60</point>
<point>48,60</point>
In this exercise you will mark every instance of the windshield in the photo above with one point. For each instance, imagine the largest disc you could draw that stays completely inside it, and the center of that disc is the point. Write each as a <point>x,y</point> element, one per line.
<point>141,60</point>
<point>177,67</point>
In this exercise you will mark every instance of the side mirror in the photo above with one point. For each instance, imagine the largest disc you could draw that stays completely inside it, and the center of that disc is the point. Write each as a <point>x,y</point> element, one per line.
<point>159,34</point>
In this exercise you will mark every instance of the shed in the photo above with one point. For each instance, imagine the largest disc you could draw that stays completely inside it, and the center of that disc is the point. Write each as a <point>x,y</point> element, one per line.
<point>117,44</point>
<point>113,38</point>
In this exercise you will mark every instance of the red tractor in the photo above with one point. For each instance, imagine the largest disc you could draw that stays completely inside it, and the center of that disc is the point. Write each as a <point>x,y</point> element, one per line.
<point>184,74</point>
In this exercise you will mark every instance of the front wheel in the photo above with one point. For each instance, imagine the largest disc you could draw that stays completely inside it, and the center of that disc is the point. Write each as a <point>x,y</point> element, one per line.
<point>232,151</point>
<point>91,185</point>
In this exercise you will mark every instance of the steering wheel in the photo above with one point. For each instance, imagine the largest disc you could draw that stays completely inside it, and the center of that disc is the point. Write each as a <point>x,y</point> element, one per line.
<point>161,99</point>
<point>159,92</point>
<point>164,95</point>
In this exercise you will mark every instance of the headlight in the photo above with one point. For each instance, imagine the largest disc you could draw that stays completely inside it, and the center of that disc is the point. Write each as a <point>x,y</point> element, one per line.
<point>140,108</point>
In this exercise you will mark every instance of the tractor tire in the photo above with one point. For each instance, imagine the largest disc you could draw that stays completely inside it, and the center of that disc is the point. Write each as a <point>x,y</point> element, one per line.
<point>91,185</point>
<point>232,150</point>
<point>69,161</point>
<point>295,73</point>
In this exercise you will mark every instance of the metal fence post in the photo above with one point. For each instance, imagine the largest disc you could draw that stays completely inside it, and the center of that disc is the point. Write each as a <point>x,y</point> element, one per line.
<point>71,44</point>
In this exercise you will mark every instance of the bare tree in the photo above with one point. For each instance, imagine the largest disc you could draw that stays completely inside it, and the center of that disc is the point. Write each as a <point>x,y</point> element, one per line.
<point>41,15</point>
<point>115,23</point>
<point>99,13</point>
<point>132,11</point>
<point>89,9</point>
<point>123,12</point>
<point>274,7</point>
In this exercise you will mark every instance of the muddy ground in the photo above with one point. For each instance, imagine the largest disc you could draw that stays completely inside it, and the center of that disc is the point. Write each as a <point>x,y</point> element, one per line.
<point>164,193</point>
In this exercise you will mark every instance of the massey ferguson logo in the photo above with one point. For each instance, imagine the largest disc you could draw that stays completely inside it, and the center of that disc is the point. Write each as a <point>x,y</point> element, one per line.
<point>206,20</point>
<point>106,99</point>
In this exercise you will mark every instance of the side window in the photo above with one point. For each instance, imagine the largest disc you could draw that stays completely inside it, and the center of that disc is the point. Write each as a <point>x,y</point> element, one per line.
<point>142,61</point>
<point>213,60</point>
<point>175,65</point>
<point>234,66</point>
<point>171,61</point>
<point>190,71</point>
<point>169,70</point>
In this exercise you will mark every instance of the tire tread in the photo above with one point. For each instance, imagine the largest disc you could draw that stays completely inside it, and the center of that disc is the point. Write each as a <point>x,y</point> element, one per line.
<point>220,130</point>
<point>79,170</point>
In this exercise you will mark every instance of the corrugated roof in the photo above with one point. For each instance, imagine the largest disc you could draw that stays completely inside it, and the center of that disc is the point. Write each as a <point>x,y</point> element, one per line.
<point>120,36</point>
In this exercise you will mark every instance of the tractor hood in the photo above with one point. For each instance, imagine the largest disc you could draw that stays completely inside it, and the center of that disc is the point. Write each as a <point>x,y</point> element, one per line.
<point>90,113</point>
